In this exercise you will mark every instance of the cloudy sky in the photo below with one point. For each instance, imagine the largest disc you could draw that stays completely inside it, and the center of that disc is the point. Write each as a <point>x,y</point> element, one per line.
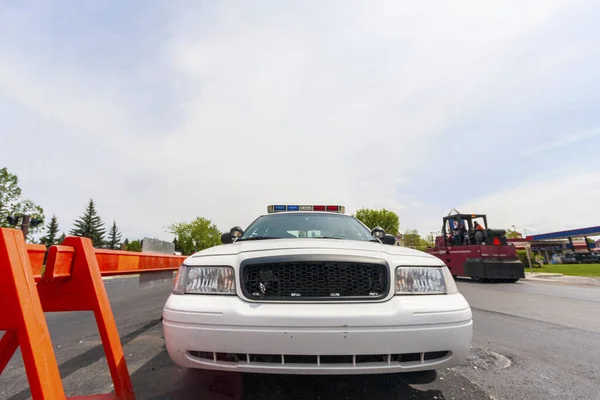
<point>164,111</point>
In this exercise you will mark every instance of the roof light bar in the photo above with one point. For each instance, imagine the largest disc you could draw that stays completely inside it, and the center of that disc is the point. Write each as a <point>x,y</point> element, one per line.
<point>283,207</point>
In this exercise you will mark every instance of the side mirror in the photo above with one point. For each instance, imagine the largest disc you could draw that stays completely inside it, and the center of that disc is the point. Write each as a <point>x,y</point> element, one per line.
<point>378,232</point>
<point>227,238</point>
<point>234,234</point>
<point>388,239</point>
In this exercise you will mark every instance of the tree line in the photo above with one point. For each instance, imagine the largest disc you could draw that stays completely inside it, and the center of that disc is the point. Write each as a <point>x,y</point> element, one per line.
<point>190,237</point>
<point>89,224</point>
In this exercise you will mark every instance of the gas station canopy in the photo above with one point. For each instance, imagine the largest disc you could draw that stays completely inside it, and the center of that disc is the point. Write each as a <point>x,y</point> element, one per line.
<point>573,233</point>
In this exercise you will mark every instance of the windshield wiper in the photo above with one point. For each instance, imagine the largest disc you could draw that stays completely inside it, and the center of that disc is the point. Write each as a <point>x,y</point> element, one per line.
<point>259,238</point>
<point>333,237</point>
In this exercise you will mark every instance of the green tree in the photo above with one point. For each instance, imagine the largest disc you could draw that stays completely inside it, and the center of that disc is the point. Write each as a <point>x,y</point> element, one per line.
<point>52,230</point>
<point>134,245</point>
<point>61,238</point>
<point>510,234</point>
<point>430,240</point>
<point>12,203</point>
<point>114,237</point>
<point>196,235</point>
<point>383,218</point>
<point>90,225</point>
<point>413,240</point>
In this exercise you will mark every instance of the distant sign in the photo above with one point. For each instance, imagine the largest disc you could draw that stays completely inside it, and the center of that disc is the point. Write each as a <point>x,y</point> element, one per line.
<point>157,246</point>
<point>149,280</point>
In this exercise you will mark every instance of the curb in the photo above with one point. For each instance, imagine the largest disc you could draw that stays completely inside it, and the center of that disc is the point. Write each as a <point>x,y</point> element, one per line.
<point>563,279</point>
<point>543,275</point>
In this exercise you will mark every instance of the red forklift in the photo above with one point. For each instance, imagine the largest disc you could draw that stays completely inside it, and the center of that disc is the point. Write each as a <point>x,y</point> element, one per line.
<point>470,249</point>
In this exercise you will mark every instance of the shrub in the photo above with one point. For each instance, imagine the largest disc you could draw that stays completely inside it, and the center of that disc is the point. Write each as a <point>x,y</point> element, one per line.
<point>522,255</point>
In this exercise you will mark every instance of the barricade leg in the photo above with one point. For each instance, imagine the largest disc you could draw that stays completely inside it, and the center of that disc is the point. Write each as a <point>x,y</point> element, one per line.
<point>8,346</point>
<point>22,318</point>
<point>84,290</point>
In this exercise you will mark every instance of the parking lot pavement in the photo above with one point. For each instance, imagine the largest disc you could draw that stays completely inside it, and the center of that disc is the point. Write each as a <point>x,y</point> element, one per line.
<point>532,341</point>
<point>84,370</point>
<point>548,332</point>
<point>155,377</point>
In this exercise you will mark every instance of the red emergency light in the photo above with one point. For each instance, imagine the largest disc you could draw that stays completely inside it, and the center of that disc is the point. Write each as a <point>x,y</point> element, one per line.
<point>318,208</point>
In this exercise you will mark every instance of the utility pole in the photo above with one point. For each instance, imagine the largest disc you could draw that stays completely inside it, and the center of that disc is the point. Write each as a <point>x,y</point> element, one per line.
<point>25,224</point>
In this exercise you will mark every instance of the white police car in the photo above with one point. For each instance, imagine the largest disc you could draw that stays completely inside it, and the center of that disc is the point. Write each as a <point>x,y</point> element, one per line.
<point>309,290</point>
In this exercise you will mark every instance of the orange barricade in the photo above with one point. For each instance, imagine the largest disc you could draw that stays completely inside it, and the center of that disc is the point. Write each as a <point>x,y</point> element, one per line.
<point>72,281</point>
<point>110,262</point>
<point>117,262</point>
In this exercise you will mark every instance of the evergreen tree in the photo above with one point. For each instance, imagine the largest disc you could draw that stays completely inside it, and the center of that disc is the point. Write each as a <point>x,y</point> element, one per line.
<point>177,246</point>
<point>90,225</point>
<point>114,237</point>
<point>61,238</point>
<point>50,239</point>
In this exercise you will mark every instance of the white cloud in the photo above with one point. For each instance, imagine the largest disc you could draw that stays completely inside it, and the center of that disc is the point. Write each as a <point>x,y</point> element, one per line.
<point>272,102</point>
<point>561,142</point>
<point>566,199</point>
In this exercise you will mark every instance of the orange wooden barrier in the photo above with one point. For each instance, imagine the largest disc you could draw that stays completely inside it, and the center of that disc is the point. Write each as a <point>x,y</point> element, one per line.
<point>110,262</point>
<point>72,281</point>
<point>117,262</point>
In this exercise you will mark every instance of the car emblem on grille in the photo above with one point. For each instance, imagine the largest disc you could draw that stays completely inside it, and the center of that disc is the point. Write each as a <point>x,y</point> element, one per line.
<point>263,288</point>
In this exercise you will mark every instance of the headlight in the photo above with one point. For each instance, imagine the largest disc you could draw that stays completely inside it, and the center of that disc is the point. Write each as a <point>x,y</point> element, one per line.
<point>420,280</point>
<point>205,280</point>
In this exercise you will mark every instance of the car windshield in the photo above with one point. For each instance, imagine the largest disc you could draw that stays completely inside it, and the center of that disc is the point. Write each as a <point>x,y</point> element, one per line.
<point>307,225</point>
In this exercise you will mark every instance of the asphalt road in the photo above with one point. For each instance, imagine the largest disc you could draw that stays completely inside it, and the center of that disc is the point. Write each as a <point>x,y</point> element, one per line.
<point>532,341</point>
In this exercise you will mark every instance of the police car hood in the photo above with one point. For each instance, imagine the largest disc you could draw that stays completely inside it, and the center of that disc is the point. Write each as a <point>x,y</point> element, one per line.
<point>301,245</point>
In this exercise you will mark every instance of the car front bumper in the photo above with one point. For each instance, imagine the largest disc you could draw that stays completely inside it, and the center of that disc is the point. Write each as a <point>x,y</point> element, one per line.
<point>411,333</point>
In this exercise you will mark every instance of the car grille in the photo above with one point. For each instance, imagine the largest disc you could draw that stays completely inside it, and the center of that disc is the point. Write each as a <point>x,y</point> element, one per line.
<point>315,280</point>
